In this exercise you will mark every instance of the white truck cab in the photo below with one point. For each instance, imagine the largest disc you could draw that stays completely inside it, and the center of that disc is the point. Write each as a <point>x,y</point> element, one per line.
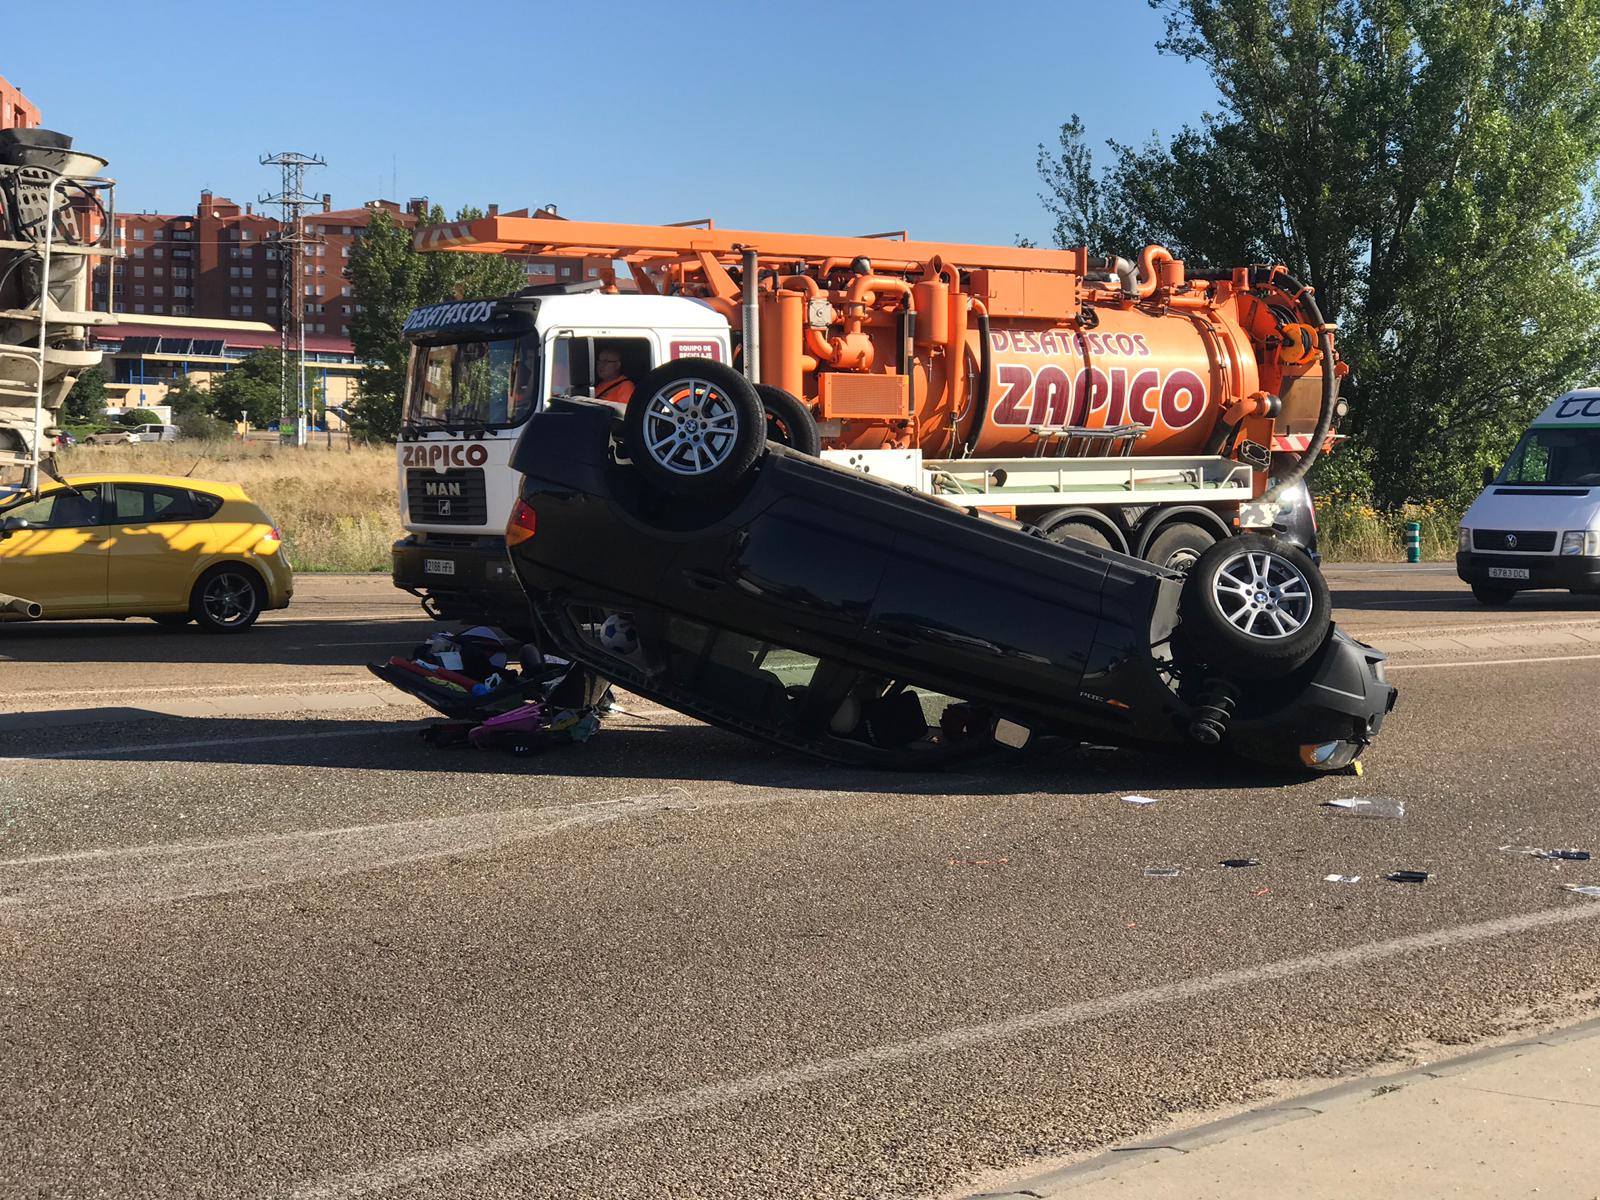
<point>478,370</point>
<point>1537,523</point>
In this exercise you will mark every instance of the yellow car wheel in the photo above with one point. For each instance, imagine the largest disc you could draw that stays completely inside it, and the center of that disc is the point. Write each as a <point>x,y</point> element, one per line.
<point>228,598</point>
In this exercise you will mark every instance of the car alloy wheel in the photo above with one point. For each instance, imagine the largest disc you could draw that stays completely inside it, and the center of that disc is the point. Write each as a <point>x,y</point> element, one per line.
<point>691,428</point>
<point>1262,594</point>
<point>229,599</point>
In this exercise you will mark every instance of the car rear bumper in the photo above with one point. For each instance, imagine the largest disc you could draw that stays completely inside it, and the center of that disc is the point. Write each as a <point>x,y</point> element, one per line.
<point>463,577</point>
<point>1571,571</point>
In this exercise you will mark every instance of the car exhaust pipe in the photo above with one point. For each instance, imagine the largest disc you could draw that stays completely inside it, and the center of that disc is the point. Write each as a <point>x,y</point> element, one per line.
<point>32,610</point>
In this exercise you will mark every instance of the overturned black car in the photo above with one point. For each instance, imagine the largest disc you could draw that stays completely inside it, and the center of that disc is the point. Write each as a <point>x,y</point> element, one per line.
<point>679,553</point>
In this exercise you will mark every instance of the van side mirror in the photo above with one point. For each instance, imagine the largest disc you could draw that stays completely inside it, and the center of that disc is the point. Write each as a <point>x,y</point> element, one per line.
<point>1488,476</point>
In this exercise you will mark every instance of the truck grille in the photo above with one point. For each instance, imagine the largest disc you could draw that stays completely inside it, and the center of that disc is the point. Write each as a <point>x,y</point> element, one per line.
<point>453,497</point>
<point>1517,541</point>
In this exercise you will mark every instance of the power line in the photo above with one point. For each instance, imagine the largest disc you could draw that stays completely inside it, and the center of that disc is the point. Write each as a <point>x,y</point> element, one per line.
<point>292,200</point>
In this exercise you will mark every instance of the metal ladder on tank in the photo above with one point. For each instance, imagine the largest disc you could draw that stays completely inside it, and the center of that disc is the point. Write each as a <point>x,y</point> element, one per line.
<point>43,314</point>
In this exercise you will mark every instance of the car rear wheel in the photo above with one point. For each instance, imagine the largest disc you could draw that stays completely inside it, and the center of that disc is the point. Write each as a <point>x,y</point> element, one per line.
<point>227,599</point>
<point>694,427</point>
<point>789,423</point>
<point>1494,597</point>
<point>1178,546</point>
<point>1255,607</point>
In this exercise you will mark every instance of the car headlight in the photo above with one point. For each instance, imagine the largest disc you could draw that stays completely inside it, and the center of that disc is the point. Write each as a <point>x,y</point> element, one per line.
<point>1581,541</point>
<point>1463,539</point>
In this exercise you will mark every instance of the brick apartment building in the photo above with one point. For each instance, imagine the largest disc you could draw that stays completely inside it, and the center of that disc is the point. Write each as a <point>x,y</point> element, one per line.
<point>16,111</point>
<point>224,263</point>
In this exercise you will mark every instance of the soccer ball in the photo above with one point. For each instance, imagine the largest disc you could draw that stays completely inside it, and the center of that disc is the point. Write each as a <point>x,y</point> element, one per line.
<point>618,635</point>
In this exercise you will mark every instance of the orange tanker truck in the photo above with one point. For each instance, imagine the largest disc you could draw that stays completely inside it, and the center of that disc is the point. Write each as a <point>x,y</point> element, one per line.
<point>1134,405</point>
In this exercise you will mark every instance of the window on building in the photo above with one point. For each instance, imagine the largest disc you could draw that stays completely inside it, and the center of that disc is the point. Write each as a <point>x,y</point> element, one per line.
<point>180,291</point>
<point>272,255</point>
<point>158,290</point>
<point>347,293</point>
<point>344,331</point>
<point>156,253</point>
<point>249,271</point>
<point>344,251</point>
<point>346,230</point>
<point>138,289</point>
<point>138,235</point>
<point>249,310</point>
<point>233,310</point>
<point>233,272</point>
<point>138,272</point>
<point>311,289</point>
<point>272,293</point>
<point>160,308</point>
<point>138,308</point>
<point>138,252</point>
<point>566,272</point>
<point>161,235</point>
<point>244,235</point>
<point>234,290</point>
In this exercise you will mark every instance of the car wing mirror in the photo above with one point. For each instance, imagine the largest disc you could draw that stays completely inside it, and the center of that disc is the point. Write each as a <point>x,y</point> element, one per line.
<point>10,525</point>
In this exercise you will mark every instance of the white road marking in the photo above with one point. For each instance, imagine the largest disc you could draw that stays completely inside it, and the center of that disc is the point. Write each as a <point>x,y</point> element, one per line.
<point>201,744</point>
<point>246,689</point>
<point>471,1156</point>
<point>1490,662</point>
<point>1494,627</point>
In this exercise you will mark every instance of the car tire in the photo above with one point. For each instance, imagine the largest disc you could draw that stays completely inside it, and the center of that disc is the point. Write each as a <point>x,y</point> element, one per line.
<point>694,427</point>
<point>1178,546</point>
<point>1255,607</point>
<point>172,620</point>
<point>789,422</point>
<point>227,599</point>
<point>1494,597</point>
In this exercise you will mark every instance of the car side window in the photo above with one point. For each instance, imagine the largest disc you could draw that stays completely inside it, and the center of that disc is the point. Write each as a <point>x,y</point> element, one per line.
<point>139,504</point>
<point>205,505</point>
<point>59,509</point>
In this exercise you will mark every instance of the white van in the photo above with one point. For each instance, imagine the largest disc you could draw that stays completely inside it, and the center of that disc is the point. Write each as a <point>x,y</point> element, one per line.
<point>156,433</point>
<point>1537,523</point>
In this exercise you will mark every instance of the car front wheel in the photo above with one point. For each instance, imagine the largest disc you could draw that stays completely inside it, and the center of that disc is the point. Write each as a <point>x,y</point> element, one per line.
<point>227,598</point>
<point>1255,607</point>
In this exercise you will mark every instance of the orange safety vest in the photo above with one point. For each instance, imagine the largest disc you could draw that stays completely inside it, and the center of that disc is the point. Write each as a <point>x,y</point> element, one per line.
<point>618,391</point>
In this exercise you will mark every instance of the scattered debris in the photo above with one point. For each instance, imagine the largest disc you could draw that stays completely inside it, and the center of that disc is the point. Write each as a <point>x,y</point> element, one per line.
<point>1341,879</point>
<point>1264,891</point>
<point>1584,889</point>
<point>979,862</point>
<point>1372,807</point>
<point>1530,851</point>
<point>1138,799</point>
<point>1569,855</point>
<point>1241,862</point>
<point>1407,877</point>
<point>1161,872</point>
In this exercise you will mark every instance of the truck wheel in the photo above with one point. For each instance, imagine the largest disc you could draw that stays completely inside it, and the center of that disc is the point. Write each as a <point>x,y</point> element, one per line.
<point>1177,546</point>
<point>1494,597</point>
<point>694,427</point>
<point>1070,524</point>
<point>1255,607</point>
<point>789,423</point>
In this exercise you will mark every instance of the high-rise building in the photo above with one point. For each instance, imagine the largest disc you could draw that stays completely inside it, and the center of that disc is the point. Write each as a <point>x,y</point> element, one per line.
<point>16,111</point>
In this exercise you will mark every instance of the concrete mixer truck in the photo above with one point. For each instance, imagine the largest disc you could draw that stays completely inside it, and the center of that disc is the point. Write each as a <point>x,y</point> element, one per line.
<point>1133,405</point>
<point>56,214</point>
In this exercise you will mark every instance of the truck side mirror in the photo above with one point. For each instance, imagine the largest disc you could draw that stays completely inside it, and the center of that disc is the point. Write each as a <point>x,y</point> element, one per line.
<point>1488,476</point>
<point>10,525</point>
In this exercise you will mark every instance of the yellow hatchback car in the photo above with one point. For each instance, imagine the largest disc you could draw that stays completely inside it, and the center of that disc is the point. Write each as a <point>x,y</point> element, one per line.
<point>177,550</point>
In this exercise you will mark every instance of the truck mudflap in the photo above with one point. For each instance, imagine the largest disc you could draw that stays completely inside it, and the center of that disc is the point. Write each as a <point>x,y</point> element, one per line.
<point>463,578</point>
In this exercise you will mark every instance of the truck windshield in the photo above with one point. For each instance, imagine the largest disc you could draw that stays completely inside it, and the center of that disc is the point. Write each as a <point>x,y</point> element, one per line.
<point>1555,457</point>
<point>480,384</point>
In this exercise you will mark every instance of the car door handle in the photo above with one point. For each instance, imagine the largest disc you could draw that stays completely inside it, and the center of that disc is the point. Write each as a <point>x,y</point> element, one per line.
<point>702,579</point>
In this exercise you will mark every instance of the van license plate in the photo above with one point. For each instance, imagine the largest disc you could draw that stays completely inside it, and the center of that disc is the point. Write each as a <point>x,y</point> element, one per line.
<point>445,566</point>
<point>1508,572</point>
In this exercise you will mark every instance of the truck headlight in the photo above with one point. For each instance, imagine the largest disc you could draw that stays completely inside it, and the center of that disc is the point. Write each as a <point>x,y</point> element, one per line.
<point>1463,539</point>
<point>1581,541</point>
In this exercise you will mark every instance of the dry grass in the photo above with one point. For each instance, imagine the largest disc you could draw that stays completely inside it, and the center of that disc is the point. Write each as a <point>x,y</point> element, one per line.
<point>337,509</point>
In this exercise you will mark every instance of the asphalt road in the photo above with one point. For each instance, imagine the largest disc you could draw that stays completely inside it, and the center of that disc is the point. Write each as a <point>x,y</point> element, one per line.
<point>256,939</point>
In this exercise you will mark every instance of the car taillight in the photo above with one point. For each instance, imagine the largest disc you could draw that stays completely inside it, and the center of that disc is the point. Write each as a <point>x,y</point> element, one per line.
<point>523,524</point>
<point>272,534</point>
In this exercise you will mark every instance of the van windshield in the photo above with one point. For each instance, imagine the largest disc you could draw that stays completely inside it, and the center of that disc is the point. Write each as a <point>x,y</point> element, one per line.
<point>472,385</point>
<point>1555,458</point>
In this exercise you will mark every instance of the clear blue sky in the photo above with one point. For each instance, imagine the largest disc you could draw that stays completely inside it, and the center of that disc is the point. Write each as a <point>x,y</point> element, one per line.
<point>826,117</point>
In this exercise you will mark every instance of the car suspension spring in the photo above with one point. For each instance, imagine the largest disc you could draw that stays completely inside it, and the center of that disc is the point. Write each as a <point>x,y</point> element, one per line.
<point>1213,710</point>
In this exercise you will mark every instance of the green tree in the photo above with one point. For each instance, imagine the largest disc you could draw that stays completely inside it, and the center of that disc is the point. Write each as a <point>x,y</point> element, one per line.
<point>185,396</point>
<point>253,389</point>
<point>139,416</point>
<point>1427,166</point>
<point>388,279</point>
<point>86,402</point>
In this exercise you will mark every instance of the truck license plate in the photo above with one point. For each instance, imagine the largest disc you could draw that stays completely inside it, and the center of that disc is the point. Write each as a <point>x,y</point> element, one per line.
<point>445,566</point>
<point>1508,572</point>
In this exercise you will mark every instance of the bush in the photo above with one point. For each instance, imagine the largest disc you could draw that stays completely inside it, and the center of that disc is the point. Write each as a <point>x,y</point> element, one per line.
<point>140,416</point>
<point>203,428</point>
